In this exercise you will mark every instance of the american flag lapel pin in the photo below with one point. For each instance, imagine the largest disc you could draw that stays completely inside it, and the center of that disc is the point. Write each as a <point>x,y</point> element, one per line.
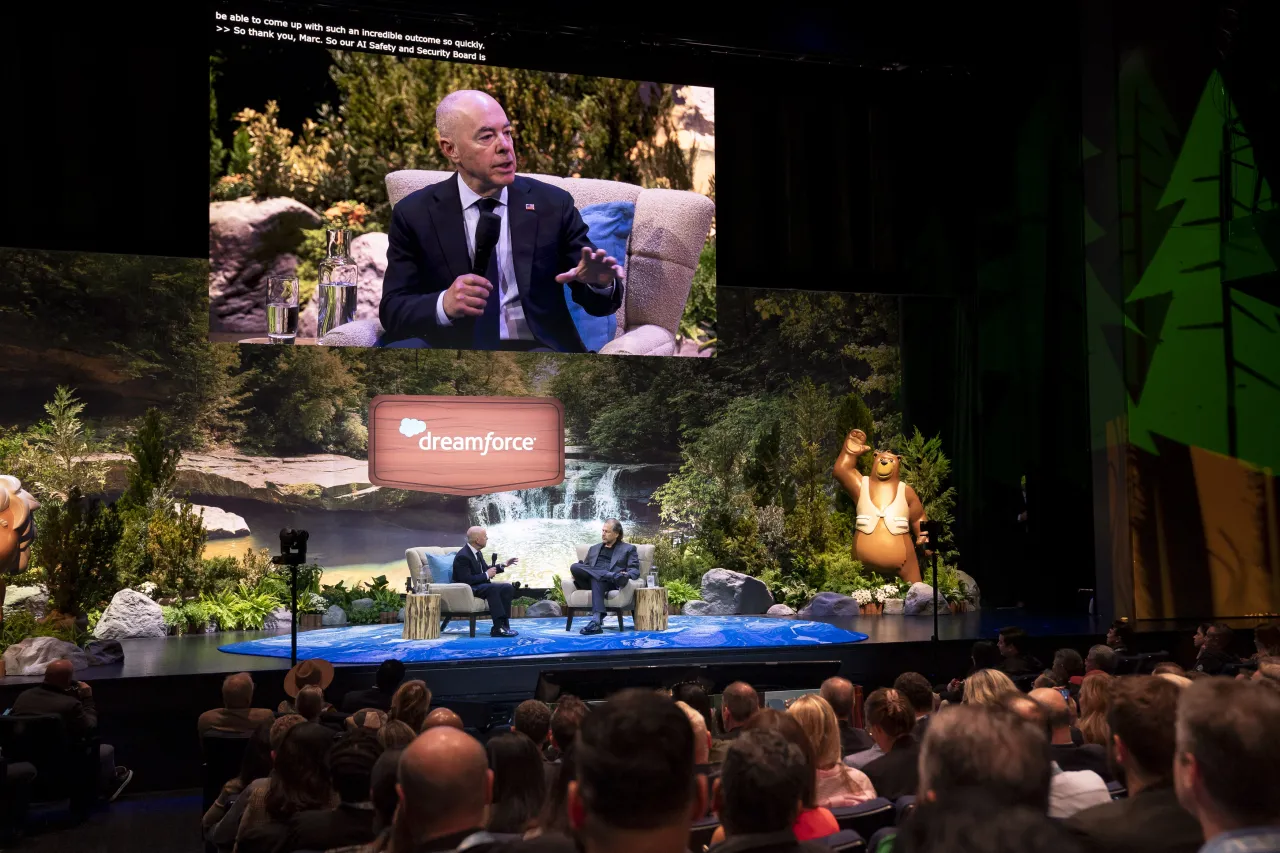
<point>528,207</point>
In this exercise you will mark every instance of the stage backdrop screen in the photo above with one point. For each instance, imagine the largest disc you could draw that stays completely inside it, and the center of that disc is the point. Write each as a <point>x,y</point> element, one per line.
<point>348,163</point>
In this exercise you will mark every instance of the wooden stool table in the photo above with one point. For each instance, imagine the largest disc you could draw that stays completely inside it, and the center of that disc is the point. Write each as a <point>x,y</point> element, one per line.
<point>421,617</point>
<point>651,608</point>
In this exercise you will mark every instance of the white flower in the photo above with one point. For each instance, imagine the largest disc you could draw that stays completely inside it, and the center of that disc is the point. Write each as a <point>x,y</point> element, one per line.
<point>862,596</point>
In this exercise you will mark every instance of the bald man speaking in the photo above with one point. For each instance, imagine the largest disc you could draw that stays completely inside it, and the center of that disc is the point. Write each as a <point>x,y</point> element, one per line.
<point>470,567</point>
<point>479,261</point>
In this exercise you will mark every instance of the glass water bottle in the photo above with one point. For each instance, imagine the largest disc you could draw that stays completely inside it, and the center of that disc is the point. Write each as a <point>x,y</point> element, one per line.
<point>337,292</point>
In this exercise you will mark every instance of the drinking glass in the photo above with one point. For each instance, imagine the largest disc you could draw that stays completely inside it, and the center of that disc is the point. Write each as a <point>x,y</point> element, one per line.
<point>653,580</point>
<point>282,308</point>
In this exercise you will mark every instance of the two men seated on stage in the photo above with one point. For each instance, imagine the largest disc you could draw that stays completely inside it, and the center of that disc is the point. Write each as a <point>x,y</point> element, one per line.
<point>609,565</point>
<point>469,567</point>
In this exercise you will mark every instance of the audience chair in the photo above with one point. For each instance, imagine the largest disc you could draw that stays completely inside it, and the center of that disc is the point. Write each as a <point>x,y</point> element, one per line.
<point>903,807</point>
<point>66,767</point>
<point>1117,790</point>
<point>617,601</point>
<point>223,752</point>
<point>844,841</point>
<point>701,831</point>
<point>888,832</point>
<point>867,817</point>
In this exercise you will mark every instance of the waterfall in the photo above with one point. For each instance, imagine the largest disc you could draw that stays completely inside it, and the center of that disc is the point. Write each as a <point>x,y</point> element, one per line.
<point>557,502</point>
<point>607,504</point>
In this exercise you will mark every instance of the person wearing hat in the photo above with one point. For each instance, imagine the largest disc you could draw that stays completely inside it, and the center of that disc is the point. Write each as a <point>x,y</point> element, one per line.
<point>314,671</point>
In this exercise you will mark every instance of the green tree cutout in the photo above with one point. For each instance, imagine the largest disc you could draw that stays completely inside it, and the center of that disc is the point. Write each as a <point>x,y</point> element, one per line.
<point>1186,394</point>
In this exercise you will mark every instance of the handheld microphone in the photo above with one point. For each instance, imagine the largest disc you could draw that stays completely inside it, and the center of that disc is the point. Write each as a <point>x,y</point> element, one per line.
<point>493,557</point>
<point>487,232</point>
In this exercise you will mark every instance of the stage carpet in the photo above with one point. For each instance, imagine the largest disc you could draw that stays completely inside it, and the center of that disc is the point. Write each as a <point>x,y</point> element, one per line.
<point>539,637</point>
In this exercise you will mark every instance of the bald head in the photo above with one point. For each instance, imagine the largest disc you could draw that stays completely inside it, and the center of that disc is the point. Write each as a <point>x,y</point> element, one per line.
<point>475,135</point>
<point>444,784</point>
<point>442,717</point>
<point>237,690</point>
<point>839,695</point>
<point>738,704</point>
<point>1030,710</point>
<point>59,673</point>
<point>1055,709</point>
<point>477,536</point>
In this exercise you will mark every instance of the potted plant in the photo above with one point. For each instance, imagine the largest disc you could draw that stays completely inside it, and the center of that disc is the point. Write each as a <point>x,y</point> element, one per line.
<point>388,603</point>
<point>890,597</point>
<point>867,604</point>
<point>520,607</point>
<point>679,592</point>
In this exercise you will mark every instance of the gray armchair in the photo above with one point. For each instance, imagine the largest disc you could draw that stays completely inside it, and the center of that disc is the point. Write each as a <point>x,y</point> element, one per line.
<point>456,599</point>
<point>616,601</point>
<point>670,229</point>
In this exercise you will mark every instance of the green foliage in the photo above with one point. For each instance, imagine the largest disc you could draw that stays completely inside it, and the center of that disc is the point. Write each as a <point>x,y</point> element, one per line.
<point>680,591</point>
<point>163,542</point>
<point>925,468</point>
<point>51,458</point>
<point>787,589</point>
<point>350,215</point>
<point>304,399</point>
<point>75,546</point>
<point>93,616</point>
<point>524,601</point>
<point>21,624</point>
<point>698,323</point>
<point>154,462</point>
<point>217,152</point>
<point>240,609</point>
<point>365,616</point>
<point>339,594</point>
<point>387,599</point>
<point>555,593</point>
<point>678,561</point>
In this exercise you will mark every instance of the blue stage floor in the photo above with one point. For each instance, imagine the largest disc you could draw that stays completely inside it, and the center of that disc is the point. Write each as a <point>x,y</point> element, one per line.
<point>538,637</point>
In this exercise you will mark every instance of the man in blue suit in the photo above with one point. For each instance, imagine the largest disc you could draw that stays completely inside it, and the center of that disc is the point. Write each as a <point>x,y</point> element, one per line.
<point>609,565</point>
<point>470,567</point>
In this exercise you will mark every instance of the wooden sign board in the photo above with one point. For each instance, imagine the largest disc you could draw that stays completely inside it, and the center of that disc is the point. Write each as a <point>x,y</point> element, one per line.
<point>465,445</point>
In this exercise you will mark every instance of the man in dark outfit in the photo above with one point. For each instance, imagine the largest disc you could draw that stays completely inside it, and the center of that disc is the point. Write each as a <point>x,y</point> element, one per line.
<point>390,674</point>
<point>469,567</point>
<point>609,565</point>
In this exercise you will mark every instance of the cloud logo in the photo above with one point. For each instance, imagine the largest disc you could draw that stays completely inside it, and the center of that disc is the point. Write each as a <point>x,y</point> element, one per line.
<point>412,426</point>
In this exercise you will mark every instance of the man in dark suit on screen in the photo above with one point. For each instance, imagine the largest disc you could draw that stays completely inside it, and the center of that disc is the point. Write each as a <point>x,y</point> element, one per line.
<point>479,261</point>
<point>609,565</point>
<point>469,567</point>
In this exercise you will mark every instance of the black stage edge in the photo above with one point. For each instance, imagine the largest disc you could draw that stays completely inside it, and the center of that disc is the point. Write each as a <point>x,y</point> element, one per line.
<point>148,705</point>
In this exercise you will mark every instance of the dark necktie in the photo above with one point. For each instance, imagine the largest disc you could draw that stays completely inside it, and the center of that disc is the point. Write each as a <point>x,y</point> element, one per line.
<point>486,335</point>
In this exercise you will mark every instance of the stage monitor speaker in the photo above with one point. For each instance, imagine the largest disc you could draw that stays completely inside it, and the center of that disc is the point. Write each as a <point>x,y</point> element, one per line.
<point>597,684</point>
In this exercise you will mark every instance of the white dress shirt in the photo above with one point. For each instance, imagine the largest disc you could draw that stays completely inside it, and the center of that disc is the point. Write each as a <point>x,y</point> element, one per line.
<point>1071,791</point>
<point>511,323</point>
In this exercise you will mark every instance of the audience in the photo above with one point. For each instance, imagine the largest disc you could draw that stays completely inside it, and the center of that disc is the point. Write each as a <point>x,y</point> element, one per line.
<point>1016,661</point>
<point>1227,750</point>
<point>410,704</point>
<point>395,734</point>
<point>813,821</point>
<point>533,720</point>
<point>1095,694</point>
<point>973,751</point>
<point>235,715</point>
<point>390,674</point>
<point>384,798</point>
<point>839,694</point>
<point>445,787</point>
<point>351,762</point>
<point>701,739</point>
<point>1068,666</point>
<point>1168,667</point>
<point>1266,639</point>
<point>695,696</point>
<point>1141,720</point>
<point>838,785</point>
<point>916,689</point>
<point>254,765</point>
<point>1120,637</point>
<point>367,719</point>
<point>1069,790</point>
<point>519,785</point>
<point>892,719</point>
<point>1201,634</point>
<point>760,794</point>
<point>299,781</point>
<point>1068,754</point>
<point>442,717</point>
<point>1180,681</point>
<point>315,671</point>
<point>223,836</point>
<point>982,655</point>
<point>555,810</point>
<point>61,696</point>
<point>567,717</point>
<point>737,705</point>
<point>1100,659</point>
<point>1268,670</point>
<point>988,687</point>
<point>309,703</point>
<point>1214,657</point>
<point>982,826</point>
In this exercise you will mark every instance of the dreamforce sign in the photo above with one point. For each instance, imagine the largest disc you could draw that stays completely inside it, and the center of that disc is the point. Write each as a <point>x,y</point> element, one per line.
<point>466,445</point>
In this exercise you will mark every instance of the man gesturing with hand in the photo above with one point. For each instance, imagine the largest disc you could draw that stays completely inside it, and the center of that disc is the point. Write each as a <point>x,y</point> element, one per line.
<point>480,260</point>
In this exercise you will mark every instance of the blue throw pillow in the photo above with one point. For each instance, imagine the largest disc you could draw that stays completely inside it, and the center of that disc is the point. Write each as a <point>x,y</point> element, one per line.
<point>441,566</point>
<point>609,227</point>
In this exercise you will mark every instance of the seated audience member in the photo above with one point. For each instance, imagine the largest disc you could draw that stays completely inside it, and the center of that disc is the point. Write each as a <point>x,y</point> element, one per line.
<point>838,785</point>
<point>1268,670</point>
<point>892,719</point>
<point>1068,666</point>
<point>984,753</point>
<point>1011,643</point>
<point>635,788</point>
<point>737,705</point>
<point>445,788</point>
<point>566,719</point>
<point>1266,639</point>
<point>306,672</point>
<point>1142,723</point>
<point>310,702</point>
<point>916,689</point>
<point>1120,637</point>
<point>1048,678</point>
<point>395,734</point>
<point>982,655</point>
<point>839,694</point>
<point>519,784</point>
<point>1069,790</point>
<point>385,798</point>
<point>760,794</point>
<point>1101,659</point>
<point>255,764</point>
<point>72,700</point>
<point>1201,634</point>
<point>1065,751</point>
<point>442,717</point>
<point>1224,768</point>
<point>701,740</point>
<point>1095,699</point>
<point>1214,655</point>
<point>813,821</point>
<point>695,696</point>
<point>982,826</point>
<point>1168,667</point>
<point>390,674</point>
<point>223,835</point>
<point>988,687</point>
<point>533,720</point>
<point>235,715</point>
<point>366,719</point>
<point>351,761</point>
<point>554,819</point>
<point>411,703</point>
<point>299,782</point>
